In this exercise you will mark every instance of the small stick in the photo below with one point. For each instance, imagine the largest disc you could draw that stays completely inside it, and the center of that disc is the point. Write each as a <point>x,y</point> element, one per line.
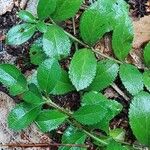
<point>43,145</point>
<point>117,89</point>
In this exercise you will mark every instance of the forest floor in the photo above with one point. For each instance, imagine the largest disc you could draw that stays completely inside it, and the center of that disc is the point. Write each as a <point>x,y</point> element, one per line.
<point>19,55</point>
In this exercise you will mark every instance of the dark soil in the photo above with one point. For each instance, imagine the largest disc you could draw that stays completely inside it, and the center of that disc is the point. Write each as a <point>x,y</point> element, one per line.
<point>71,100</point>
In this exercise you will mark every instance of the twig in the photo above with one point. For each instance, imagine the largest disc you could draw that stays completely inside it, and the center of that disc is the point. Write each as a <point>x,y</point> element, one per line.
<point>74,32</point>
<point>14,145</point>
<point>120,92</point>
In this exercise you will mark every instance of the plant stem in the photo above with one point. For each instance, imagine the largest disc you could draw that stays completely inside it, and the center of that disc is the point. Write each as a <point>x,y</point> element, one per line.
<point>75,123</point>
<point>87,46</point>
<point>94,50</point>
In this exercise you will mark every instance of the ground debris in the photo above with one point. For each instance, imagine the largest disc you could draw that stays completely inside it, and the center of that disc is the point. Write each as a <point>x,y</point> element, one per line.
<point>6,5</point>
<point>31,135</point>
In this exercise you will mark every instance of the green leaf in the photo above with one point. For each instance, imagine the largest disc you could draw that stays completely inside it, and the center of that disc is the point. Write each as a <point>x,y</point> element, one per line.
<point>64,85</point>
<point>131,78</point>
<point>45,8</point>
<point>66,9</point>
<point>93,26</point>
<point>117,134</point>
<point>49,120</point>
<point>13,79</point>
<point>101,17</point>
<point>32,79</point>
<point>73,136</point>
<point>85,114</point>
<point>115,146</point>
<point>82,69</point>
<point>26,16</point>
<point>122,39</point>
<point>37,56</point>
<point>56,43</point>
<point>109,108</point>
<point>48,73</point>
<point>22,116</point>
<point>107,71</point>
<point>41,26</point>
<point>139,115</point>
<point>146,79</point>
<point>33,95</point>
<point>147,55</point>
<point>19,34</point>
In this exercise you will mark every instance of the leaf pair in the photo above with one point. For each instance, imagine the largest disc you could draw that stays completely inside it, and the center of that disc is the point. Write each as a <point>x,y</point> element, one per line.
<point>84,71</point>
<point>97,105</point>
<point>59,10</point>
<point>51,78</point>
<point>104,16</point>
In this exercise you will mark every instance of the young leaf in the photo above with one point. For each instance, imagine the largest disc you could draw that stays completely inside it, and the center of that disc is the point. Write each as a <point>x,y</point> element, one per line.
<point>131,78</point>
<point>107,71</point>
<point>113,145</point>
<point>146,79</point>
<point>56,43</point>
<point>32,96</point>
<point>49,120</point>
<point>45,8</point>
<point>122,39</point>
<point>22,116</point>
<point>66,9</point>
<point>82,69</point>
<point>19,34</point>
<point>41,26</point>
<point>48,73</point>
<point>110,108</point>
<point>26,16</point>
<point>74,136</point>
<point>37,56</point>
<point>147,55</point>
<point>64,85</point>
<point>13,79</point>
<point>93,26</point>
<point>139,115</point>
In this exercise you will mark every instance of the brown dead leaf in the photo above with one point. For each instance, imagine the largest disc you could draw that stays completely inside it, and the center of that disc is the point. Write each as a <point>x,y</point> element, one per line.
<point>142,32</point>
<point>30,135</point>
